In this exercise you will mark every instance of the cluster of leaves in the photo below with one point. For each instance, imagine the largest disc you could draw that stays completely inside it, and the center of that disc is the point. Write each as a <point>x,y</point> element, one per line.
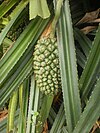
<point>76,108</point>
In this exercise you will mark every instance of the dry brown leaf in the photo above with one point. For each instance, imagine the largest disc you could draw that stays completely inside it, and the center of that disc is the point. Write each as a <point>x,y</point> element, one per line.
<point>57,98</point>
<point>89,17</point>
<point>45,129</point>
<point>88,29</point>
<point>96,20</point>
<point>96,125</point>
<point>3,114</point>
<point>47,31</point>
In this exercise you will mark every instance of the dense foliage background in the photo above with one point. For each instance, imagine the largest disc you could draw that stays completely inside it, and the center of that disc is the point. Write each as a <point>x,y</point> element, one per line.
<point>76,107</point>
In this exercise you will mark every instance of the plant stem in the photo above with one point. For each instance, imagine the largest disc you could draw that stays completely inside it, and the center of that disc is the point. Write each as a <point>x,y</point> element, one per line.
<point>56,17</point>
<point>12,110</point>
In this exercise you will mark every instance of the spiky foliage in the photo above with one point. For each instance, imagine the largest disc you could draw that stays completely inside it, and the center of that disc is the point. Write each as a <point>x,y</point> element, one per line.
<point>17,64</point>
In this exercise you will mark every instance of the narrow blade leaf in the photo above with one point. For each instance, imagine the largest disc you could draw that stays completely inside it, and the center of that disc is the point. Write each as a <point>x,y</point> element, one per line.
<point>92,67</point>
<point>14,15</point>
<point>91,112</point>
<point>68,68</point>
<point>38,7</point>
<point>59,120</point>
<point>6,6</point>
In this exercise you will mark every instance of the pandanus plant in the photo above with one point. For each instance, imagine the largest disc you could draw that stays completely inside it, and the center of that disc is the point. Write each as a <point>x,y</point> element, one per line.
<point>49,69</point>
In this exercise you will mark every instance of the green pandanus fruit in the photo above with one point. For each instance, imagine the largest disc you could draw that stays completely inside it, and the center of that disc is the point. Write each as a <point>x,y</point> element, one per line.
<point>46,65</point>
<point>46,59</point>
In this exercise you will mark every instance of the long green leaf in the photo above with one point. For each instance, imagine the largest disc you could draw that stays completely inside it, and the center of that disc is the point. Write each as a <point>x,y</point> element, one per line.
<point>81,59</point>
<point>31,102</point>
<point>26,96</point>
<point>64,130</point>
<point>68,68</point>
<point>17,74</point>
<point>6,6</point>
<point>21,114</point>
<point>44,112</point>
<point>52,116</point>
<point>12,110</point>
<point>11,50</point>
<point>38,7</point>
<point>92,67</point>
<point>14,16</point>
<point>11,58</point>
<point>23,102</point>
<point>16,55</point>
<point>35,110</point>
<point>1,51</point>
<point>91,112</point>
<point>33,107</point>
<point>59,120</point>
<point>27,69</point>
<point>83,41</point>
<point>20,65</point>
<point>3,123</point>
